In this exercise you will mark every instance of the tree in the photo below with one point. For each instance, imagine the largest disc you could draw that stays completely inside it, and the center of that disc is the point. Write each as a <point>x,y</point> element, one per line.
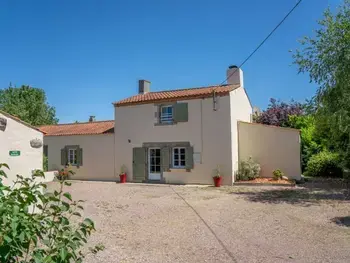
<point>277,113</point>
<point>326,58</point>
<point>29,104</point>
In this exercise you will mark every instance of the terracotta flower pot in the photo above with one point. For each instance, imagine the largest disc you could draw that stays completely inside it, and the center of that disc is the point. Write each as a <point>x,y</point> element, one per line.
<point>122,178</point>
<point>217,181</point>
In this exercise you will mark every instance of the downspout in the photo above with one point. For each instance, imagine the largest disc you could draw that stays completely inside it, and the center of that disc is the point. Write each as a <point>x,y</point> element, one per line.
<point>201,131</point>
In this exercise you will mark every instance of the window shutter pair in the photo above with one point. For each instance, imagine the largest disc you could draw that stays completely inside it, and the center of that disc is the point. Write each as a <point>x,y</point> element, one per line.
<point>180,112</point>
<point>64,155</point>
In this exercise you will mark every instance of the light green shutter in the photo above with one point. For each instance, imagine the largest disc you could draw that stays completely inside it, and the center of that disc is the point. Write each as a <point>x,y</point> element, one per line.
<point>63,156</point>
<point>165,157</point>
<point>180,113</point>
<point>79,156</point>
<point>189,158</point>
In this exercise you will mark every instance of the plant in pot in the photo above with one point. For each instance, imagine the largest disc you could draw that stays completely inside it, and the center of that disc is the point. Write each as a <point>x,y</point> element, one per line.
<point>122,174</point>
<point>217,176</point>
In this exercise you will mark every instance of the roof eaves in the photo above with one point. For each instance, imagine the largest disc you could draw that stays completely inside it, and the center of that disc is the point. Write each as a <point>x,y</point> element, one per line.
<point>20,121</point>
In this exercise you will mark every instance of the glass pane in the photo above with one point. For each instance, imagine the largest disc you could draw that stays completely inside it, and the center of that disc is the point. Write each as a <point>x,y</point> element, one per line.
<point>182,150</point>
<point>158,152</point>
<point>176,157</point>
<point>157,160</point>
<point>176,150</point>
<point>152,169</point>
<point>176,162</point>
<point>183,163</point>
<point>157,169</point>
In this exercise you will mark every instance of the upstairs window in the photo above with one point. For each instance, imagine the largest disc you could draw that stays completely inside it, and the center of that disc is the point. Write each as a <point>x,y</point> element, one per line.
<point>166,114</point>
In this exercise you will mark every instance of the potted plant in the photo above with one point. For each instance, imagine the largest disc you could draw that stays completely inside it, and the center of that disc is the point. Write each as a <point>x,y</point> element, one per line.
<point>122,174</point>
<point>217,177</point>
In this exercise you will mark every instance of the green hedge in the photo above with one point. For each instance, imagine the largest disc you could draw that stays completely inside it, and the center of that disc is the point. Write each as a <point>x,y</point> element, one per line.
<point>325,164</point>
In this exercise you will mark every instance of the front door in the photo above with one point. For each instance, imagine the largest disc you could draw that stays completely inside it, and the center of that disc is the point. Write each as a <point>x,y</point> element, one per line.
<point>154,164</point>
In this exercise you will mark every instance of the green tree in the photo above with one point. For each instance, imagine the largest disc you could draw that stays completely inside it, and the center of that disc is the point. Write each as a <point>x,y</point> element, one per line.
<point>326,58</point>
<point>29,104</point>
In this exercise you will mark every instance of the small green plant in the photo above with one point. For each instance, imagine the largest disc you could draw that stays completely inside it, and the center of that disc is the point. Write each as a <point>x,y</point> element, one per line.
<point>45,163</point>
<point>248,170</point>
<point>325,164</point>
<point>123,169</point>
<point>39,226</point>
<point>217,172</point>
<point>277,174</point>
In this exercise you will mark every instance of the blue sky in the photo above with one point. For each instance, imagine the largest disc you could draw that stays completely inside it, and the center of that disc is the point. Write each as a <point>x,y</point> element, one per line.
<point>87,54</point>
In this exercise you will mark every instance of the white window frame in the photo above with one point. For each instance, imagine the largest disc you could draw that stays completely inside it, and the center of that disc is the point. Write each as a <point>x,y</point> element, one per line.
<point>74,151</point>
<point>179,166</point>
<point>167,117</point>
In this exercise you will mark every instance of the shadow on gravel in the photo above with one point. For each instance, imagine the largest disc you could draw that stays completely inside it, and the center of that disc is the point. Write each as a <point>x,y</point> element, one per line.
<point>342,221</point>
<point>298,196</point>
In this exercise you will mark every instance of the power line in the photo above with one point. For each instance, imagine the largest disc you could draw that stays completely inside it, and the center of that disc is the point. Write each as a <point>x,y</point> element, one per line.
<point>262,43</point>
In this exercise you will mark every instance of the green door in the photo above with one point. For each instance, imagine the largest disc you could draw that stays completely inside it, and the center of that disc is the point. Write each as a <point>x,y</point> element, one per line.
<point>139,164</point>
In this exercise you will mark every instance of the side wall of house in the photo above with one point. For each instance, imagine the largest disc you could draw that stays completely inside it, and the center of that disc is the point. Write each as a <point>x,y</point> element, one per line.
<point>17,137</point>
<point>98,155</point>
<point>241,110</point>
<point>272,147</point>
<point>208,131</point>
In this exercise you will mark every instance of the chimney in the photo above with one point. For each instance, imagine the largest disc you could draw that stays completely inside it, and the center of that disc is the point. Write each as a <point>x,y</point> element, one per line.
<point>144,86</point>
<point>92,118</point>
<point>234,76</point>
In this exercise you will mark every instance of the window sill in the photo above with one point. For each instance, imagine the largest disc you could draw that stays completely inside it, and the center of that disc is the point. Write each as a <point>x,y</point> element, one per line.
<point>179,170</point>
<point>164,124</point>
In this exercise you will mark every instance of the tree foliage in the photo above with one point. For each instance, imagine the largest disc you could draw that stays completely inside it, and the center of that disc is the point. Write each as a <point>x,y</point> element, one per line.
<point>39,226</point>
<point>326,58</point>
<point>29,104</point>
<point>277,113</point>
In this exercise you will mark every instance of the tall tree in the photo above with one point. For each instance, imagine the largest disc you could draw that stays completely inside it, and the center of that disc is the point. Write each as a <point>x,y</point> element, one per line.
<point>277,113</point>
<point>326,58</point>
<point>29,104</point>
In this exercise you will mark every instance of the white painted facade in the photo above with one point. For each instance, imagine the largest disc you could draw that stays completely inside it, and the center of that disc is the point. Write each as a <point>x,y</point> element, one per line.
<point>16,137</point>
<point>98,155</point>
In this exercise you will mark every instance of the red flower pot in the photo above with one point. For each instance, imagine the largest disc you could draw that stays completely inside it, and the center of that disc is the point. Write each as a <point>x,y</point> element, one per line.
<point>217,181</point>
<point>122,178</point>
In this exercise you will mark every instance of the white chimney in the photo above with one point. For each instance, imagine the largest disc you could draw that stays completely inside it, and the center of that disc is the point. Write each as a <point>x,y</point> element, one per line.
<point>234,76</point>
<point>144,86</point>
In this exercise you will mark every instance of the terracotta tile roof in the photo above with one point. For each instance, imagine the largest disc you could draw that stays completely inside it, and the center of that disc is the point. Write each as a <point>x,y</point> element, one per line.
<point>84,128</point>
<point>172,95</point>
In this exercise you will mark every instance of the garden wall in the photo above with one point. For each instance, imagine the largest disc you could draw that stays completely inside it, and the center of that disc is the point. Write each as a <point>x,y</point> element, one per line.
<point>273,147</point>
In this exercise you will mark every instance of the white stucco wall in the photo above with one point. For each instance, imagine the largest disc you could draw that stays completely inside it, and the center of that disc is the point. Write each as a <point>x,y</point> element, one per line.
<point>241,110</point>
<point>17,137</point>
<point>272,147</point>
<point>208,131</point>
<point>98,155</point>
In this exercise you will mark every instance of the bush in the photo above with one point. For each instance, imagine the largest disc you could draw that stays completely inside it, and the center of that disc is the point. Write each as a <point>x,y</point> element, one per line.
<point>38,226</point>
<point>326,164</point>
<point>277,174</point>
<point>248,170</point>
<point>45,163</point>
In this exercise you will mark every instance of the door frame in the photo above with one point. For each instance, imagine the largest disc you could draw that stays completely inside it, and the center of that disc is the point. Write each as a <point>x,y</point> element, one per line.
<point>149,164</point>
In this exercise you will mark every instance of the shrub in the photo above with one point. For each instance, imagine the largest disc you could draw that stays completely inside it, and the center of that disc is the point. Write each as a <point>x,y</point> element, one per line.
<point>45,163</point>
<point>248,170</point>
<point>37,226</point>
<point>325,164</point>
<point>277,174</point>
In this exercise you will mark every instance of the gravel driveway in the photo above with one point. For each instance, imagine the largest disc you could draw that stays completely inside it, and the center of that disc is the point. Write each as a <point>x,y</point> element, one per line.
<point>163,223</point>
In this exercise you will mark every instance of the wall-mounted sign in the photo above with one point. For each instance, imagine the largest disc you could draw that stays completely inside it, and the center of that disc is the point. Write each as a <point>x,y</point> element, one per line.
<point>14,153</point>
<point>3,123</point>
<point>36,143</point>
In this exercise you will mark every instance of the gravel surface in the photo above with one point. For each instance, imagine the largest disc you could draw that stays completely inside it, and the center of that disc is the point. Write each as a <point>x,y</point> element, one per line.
<point>163,223</point>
